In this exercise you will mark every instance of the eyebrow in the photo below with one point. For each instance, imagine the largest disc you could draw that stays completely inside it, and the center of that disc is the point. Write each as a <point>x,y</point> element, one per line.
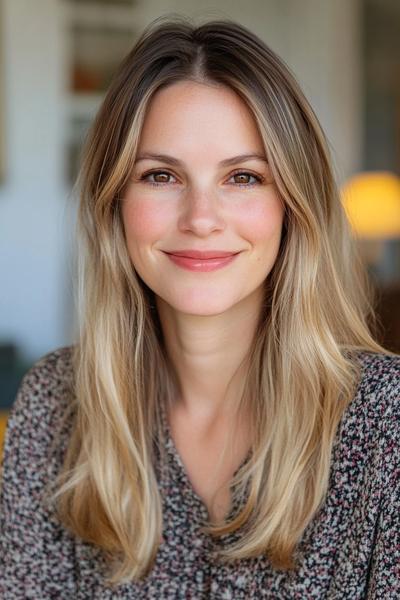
<point>224,163</point>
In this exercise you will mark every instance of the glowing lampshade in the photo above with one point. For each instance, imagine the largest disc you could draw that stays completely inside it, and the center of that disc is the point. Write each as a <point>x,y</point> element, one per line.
<point>372,204</point>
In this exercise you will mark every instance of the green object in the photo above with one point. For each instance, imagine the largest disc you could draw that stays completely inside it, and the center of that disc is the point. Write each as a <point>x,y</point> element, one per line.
<point>12,370</point>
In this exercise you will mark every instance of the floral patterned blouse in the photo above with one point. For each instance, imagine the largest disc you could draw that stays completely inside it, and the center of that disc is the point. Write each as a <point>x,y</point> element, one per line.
<point>349,551</point>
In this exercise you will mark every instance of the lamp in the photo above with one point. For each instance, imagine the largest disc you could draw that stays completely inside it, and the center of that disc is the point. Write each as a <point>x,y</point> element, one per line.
<point>372,204</point>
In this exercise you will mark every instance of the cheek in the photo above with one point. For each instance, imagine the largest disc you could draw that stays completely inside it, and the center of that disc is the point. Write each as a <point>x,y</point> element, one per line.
<point>262,219</point>
<point>143,221</point>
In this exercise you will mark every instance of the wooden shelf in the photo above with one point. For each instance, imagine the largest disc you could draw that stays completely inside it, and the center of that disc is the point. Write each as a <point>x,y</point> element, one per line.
<point>101,16</point>
<point>98,35</point>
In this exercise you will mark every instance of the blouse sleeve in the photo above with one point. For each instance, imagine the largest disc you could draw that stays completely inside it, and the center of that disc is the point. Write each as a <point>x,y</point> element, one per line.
<point>384,577</point>
<point>36,553</point>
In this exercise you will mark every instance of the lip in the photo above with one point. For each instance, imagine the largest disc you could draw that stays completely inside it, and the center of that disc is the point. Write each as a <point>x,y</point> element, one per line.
<point>201,264</point>
<point>202,254</point>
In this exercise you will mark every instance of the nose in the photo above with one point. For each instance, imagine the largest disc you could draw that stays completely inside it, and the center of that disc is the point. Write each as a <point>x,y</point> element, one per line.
<point>201,213</point>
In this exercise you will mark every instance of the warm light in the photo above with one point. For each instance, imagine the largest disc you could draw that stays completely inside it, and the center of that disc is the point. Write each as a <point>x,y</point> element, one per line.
<point>372,203</point>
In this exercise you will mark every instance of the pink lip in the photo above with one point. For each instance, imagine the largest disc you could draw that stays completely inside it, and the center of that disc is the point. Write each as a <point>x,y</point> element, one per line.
<point>201,254</point>
<point>202,263</point>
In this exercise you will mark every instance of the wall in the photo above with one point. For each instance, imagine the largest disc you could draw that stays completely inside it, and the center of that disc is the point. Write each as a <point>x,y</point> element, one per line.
<point>33,200</point>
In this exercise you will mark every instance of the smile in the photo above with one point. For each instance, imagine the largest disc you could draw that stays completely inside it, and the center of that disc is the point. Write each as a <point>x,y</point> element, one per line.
<point>201,264</point>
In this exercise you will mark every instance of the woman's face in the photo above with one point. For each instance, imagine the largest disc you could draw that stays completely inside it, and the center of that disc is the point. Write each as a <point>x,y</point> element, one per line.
<point>201,183</point>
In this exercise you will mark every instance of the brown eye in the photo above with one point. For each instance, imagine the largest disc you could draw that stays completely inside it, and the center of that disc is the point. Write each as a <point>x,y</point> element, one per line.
<point>157,177</point>
<point>160,177</point>
<point>246,179</point>
<point>242,178</point>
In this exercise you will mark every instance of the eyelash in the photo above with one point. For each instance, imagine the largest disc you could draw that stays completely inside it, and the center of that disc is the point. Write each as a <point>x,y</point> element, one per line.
<point>144,177</point>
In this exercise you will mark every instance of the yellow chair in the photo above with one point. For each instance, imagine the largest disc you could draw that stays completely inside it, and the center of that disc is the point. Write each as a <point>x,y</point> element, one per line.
<point>3,423</point>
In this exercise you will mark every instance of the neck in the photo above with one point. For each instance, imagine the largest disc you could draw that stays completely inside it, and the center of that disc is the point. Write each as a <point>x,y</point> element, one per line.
<point>209,355</point>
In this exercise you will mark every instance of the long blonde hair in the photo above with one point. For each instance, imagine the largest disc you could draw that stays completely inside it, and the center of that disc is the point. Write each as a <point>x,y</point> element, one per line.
<point>302,370</point>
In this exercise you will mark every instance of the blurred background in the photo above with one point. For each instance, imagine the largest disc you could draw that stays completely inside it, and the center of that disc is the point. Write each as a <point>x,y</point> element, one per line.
<point>56,60</point>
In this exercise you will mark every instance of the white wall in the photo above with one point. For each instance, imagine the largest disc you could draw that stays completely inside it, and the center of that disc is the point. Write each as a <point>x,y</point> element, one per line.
<point>32,199</point>
<point>319,39</point>
<point>326,53</point>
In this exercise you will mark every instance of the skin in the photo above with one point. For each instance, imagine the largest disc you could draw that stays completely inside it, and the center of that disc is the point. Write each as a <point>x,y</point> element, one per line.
<point>208,318</point>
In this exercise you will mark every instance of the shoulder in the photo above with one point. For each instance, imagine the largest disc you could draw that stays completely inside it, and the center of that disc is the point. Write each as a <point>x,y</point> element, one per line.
<point>370,425</point>
<point>36,551</point>
<point>47,388</point>
<point>379,385</point>
<point>45,400</point>
<point>371,419</point>
<point>51,374</point>
<point>380,369</point>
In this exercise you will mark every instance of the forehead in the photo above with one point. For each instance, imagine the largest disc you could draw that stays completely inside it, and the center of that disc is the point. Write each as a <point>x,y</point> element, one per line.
<point>187,115</point>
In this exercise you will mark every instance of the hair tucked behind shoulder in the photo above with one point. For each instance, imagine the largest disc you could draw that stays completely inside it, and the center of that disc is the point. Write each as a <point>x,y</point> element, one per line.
<point>303,361</point>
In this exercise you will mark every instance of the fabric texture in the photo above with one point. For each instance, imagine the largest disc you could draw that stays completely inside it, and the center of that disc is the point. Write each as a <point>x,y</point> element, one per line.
<point>349,551</point>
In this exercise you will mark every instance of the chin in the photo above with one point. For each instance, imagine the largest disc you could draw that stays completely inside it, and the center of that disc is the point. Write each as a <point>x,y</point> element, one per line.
<point>201,307</point>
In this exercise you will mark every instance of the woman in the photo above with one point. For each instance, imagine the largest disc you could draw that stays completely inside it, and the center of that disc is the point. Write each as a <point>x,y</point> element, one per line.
<point>226,425</point>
